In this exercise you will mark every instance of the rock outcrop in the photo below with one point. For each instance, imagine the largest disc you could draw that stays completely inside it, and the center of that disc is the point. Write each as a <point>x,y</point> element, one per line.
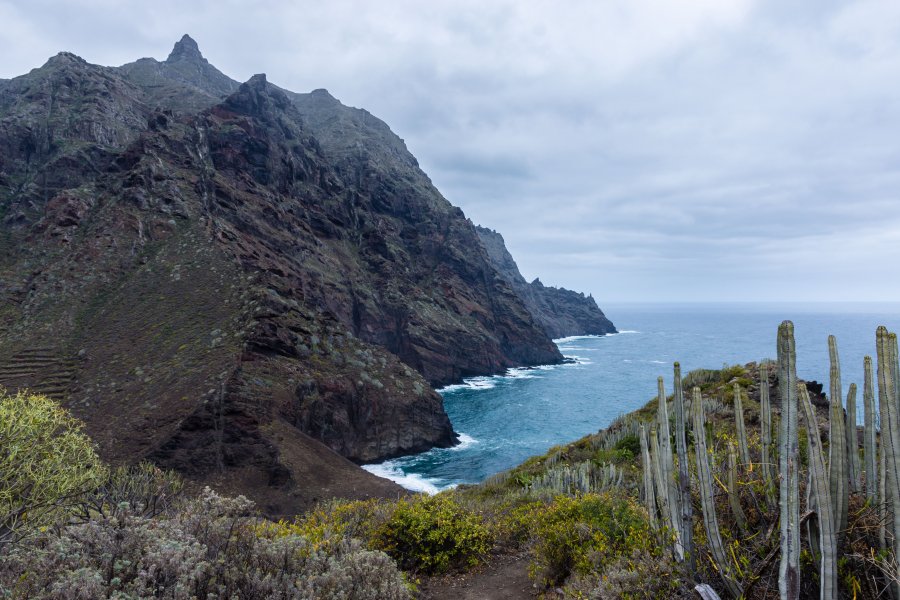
<point>560,312</point>
<point>236,281</point>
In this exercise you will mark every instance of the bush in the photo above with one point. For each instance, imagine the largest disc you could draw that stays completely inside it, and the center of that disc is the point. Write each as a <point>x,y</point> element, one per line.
<point>46,464</point>
<point>144,488</point>
<point>574,535</point>
<point>632,577</point>
<point>629,447</point>
<point>434,533</point>
<point>209,549</point>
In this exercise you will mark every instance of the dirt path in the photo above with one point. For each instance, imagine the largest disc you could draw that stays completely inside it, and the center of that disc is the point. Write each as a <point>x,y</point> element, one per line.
<point>504,578</point>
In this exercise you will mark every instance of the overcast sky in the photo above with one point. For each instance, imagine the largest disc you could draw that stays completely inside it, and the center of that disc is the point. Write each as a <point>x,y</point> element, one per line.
<point>635,149</point>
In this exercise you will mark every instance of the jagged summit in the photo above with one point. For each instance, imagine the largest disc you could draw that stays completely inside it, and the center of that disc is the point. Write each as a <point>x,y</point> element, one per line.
<point>185,49</point>
<point>65,58</point>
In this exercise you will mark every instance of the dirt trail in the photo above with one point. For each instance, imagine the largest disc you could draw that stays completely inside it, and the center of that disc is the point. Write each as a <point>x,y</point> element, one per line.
<point>504,578</point>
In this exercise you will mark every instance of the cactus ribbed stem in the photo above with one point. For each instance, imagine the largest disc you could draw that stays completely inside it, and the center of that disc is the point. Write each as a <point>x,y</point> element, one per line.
<point>734,496</point>
<point>649,492</point>
<point>765,440</point>
<point>819,482</point>
<point>668,467</point>
<point>707,500</point>
<point>869,434</point>
<point>740,426</point>
<point>788,462</point>
<point>890,432</point>
<point>837,442</point>
<point>852,440</point>
<point>684,478</point>
<point>662,486</point>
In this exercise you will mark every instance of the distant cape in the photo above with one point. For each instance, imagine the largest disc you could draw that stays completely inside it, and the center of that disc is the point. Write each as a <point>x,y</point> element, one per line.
<point>559,311</point>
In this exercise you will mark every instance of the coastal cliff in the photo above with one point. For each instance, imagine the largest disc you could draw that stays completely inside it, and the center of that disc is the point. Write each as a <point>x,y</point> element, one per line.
<point>559,311</point>
<point>236,281</point>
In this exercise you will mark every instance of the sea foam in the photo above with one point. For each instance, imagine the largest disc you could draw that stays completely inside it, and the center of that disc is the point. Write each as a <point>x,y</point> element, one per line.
<point>411,481</point>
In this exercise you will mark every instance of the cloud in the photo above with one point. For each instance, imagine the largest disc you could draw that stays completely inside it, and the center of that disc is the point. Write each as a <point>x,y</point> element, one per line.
<point>628,148</point>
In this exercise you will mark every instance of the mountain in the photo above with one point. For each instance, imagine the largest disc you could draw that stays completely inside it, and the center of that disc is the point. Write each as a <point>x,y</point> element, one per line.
<point>245,284</point>
<point>559,311</point>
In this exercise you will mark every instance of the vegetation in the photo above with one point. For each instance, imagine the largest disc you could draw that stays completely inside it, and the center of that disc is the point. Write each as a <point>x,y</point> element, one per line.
<point>46,464</point>
<point>692,490</point>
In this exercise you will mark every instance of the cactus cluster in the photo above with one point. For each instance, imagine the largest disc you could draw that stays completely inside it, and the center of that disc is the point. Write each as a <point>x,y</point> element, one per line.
<point>829,483</point>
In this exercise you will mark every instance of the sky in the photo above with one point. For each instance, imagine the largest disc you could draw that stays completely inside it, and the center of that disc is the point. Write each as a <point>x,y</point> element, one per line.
<point>638,150</point>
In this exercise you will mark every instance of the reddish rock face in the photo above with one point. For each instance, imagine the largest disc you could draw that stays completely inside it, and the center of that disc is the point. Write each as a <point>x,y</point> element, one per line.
<point>234,280</point>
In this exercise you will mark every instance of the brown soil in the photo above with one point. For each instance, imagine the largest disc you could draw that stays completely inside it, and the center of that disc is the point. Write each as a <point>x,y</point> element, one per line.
<point>504,578</point>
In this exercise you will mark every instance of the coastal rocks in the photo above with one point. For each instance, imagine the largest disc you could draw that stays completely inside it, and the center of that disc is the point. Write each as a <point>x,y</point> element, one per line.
<point>560,312</point>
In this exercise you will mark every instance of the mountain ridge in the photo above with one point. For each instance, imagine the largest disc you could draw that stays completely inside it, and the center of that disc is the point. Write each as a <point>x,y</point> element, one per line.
<point>221,284</point>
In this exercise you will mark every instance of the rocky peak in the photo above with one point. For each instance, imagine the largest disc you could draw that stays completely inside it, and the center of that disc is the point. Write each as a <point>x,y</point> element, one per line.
<point>65,59</point>
<point>256,97</point>
<point>186,49</point>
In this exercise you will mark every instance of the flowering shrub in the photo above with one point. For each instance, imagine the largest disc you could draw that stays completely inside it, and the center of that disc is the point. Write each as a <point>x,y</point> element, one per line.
<point>577,534</point>
<point>434,533</point>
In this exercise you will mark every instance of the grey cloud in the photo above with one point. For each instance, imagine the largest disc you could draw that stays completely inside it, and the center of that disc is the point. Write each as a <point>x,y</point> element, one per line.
<point>632,149</point>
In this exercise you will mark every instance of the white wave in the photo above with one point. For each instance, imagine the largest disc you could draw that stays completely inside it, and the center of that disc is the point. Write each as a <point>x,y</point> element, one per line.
<point>572,338</point>
<point>472,383</point>
<point>518,373</point>
<point>465,441</point>
<point>411,481</point>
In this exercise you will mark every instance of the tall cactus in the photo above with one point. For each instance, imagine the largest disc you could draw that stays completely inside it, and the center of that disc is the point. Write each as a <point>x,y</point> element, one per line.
<point>734,496</point>
<point>837,442</point>
<point>668,467</point>
<point>649,492</point>
<point>707,500</point>
<point>765,440</point>
<point>869,446</point>
<point>684,478</point>
<point>819,482</point>
<point>852,440</point>
<point>659,477</point>
<point>788,462</point>
<point>890,432</point>
<point>739,425</point>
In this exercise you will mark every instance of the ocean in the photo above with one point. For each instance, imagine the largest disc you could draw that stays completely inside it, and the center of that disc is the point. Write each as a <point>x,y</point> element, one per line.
<point>504,419</point>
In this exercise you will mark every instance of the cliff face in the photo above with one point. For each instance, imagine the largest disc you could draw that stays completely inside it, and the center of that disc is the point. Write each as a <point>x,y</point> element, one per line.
<point>559,311</point>
<point>234,280</point>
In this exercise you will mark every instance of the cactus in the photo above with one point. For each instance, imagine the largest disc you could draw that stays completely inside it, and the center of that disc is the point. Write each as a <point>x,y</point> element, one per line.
<point>704,476</point>
<point>819,483</point>
<point>659,478</point>
<point>837,442</point>
<point>852,440</point>
<point>734,496</point>
<point>765,440</point>
<point>684,478</point>
<point>871,457</point>
<point>788,462</point>
<point>582,477</point>
<point>668,468</point>
<point>649,493</point>
<point>890,433</point>
<point>740,427</point>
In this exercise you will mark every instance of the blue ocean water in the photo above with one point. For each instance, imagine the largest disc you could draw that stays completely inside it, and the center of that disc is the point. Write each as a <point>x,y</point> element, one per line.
<point>502,420</point>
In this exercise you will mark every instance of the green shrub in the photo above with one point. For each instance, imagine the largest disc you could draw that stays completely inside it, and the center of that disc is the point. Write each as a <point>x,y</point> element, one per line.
<point>573,535</point>
<point>47,463</point>
<point>629,444</point>
<point>434,533</point>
